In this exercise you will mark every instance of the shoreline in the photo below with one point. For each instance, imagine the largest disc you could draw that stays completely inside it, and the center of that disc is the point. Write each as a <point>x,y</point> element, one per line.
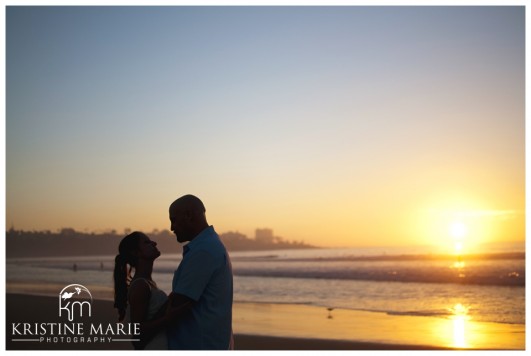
<point>516,254</point>
<point>260,326</point>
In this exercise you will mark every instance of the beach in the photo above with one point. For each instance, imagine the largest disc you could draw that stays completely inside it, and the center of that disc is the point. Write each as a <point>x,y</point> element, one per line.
<point>261,326</point>
<point>309,300</point>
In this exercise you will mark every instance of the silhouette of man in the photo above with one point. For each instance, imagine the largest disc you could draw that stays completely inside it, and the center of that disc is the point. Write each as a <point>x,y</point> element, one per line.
<point>203,281</point>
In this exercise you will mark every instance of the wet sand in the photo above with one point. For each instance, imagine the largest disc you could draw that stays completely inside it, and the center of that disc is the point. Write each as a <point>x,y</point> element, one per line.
<point>292,327</point>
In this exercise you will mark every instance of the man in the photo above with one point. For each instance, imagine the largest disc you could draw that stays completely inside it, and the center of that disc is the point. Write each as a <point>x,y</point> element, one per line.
<point>203,281</point>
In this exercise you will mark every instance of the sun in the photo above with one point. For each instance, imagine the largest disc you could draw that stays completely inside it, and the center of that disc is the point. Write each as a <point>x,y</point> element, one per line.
<point>462,226</point>
<point>458,230</point>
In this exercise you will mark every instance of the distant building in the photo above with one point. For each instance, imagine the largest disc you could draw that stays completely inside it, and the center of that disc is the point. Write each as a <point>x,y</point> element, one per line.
<point>67,231</point>
<point>264,235</point>
<point>234,236</point>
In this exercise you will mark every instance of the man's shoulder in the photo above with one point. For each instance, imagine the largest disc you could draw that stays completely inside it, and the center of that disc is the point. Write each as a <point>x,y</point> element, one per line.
<point>212,245</point>
<point>211,248</point>
<point>209,238</point>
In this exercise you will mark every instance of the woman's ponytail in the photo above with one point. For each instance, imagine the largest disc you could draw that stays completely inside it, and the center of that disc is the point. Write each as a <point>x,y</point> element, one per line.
<point>120,286</point>
<point>122,272</point>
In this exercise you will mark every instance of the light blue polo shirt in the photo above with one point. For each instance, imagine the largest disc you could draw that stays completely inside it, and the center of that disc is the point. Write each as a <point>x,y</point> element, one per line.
<point>204,275</point>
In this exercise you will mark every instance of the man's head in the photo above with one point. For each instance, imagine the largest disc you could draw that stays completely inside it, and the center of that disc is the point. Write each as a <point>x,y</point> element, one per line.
<point>187,217</point>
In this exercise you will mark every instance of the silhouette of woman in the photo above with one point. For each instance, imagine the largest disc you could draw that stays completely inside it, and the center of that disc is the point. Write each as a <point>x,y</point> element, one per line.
<point>138,299</point>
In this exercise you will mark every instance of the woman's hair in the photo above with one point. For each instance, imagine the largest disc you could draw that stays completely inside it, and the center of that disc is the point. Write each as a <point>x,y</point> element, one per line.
<point>122,273</point>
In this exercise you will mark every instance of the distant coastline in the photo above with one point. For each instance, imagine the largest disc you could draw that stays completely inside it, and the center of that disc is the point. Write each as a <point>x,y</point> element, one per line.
<point>69,242</point>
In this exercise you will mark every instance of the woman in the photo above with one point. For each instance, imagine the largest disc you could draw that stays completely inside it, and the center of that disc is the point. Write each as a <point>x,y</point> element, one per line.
<point>138,299</point>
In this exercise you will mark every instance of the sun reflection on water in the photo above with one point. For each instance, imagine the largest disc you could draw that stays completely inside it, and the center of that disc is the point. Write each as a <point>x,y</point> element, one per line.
<point>459,264</point>
<point>459,319</point>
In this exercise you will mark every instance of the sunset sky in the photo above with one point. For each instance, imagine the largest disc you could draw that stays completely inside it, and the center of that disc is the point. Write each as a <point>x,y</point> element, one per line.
<point>339,126</point>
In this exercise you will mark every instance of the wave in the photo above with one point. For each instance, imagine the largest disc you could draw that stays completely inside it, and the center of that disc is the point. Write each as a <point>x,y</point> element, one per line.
<point>496,269</point>
<point>511,278</point>
<point>384,257</point>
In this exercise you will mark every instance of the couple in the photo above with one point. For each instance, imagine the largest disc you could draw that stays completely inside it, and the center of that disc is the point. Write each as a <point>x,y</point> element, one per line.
<point>197,315</point>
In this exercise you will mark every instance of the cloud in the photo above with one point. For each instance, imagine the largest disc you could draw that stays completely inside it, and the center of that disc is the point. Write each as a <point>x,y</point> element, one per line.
<point>471,214</point>
<point>503,214</point>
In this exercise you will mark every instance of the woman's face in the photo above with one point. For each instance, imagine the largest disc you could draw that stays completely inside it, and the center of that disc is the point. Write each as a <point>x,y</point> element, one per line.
<point>147,249</point>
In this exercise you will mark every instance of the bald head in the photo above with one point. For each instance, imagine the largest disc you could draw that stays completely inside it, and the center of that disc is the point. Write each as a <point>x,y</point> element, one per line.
<point>187,217</point>
<point>189,202</point>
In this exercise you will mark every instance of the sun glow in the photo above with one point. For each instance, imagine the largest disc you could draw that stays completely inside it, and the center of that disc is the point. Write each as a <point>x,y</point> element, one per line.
<point>460,225</point>
<point>458,230</point>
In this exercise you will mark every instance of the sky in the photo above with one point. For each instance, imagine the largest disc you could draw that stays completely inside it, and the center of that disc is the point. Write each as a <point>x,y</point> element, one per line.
<point>338,126</point>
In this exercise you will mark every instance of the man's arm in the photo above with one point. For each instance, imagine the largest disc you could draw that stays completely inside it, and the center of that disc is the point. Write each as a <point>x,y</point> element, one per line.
<point>178,305</point>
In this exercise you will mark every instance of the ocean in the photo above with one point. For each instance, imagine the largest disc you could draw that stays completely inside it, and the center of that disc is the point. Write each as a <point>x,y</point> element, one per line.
<point>487,286</point>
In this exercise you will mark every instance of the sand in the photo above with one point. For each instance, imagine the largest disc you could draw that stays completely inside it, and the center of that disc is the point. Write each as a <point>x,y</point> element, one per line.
<point>292,327</point>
